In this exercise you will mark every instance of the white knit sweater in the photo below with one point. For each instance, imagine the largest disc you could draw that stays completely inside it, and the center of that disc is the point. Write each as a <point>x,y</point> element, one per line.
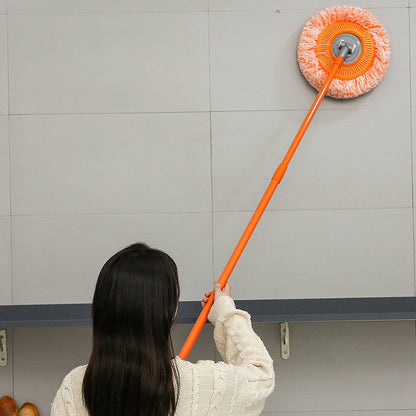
<point>237,386</point>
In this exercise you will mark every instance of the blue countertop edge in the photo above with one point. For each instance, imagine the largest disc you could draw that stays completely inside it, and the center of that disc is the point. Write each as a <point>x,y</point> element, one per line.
<point>264,310</point>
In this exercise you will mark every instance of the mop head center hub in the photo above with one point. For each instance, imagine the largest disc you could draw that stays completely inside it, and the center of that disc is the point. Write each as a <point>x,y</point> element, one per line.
<point>361,58</point>
<point>368,55</point>
<point>351,42</point>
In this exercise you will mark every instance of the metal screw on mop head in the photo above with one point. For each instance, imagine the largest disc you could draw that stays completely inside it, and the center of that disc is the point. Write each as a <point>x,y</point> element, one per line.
<point>348,46</point>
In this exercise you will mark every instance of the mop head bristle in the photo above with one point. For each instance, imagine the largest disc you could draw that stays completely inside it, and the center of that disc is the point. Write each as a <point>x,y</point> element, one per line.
<point>315,55</point>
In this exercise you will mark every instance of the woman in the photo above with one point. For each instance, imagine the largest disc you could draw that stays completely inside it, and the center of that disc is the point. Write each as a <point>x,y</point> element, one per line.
<point>133,371</point>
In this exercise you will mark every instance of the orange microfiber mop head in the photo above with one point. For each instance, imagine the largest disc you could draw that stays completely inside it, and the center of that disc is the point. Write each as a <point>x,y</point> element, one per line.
<point>317,45</point>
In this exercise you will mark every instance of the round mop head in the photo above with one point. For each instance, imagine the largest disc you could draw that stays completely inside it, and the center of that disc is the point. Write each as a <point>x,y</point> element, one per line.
<point>319,42</point>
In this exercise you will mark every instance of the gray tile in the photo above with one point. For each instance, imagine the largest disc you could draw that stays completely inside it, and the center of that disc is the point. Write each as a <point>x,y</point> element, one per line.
<point>204,348</point>
<point>110,163</point>
<point>319,254</point>
<point>4,90</point>
<point>5,261</point>
<point>4,167</point>
<point>413,112</point>
<point>108,63</point>
<point>358,366</point>
<point>6,373</point>
<point>106,6</point>
<point>64,254</point>
<point>413,53</point>
<point>218,5</point>
<point>347,159</point>
<point>254,64</point>
<point>43,356</point>
<point>414,232</point>
<point>3,6</point>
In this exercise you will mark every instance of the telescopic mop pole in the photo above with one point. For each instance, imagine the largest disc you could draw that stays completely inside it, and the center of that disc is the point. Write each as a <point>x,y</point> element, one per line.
<point>277,177</point>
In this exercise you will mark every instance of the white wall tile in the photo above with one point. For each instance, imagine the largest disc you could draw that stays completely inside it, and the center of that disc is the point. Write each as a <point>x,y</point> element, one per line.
<point>6,373</point>
<point>347,159</point>
<point>414,220</point>
<point>111,163</point>
<point>4,167</point>
<point>108,63</point>
<point>43,356</point>
<point>413,112</point>
<point>56,259</point>
<point>3,6</point>
<point>254,64</point>
<point>218,5</point>
<point>394,89</point>
<point>414,232</point>
<point>412,13</point>
<point>319,254</point>
<point>5,261</point>
<point>105,6</point>
<point>343,366</point>
<point>4,90</point>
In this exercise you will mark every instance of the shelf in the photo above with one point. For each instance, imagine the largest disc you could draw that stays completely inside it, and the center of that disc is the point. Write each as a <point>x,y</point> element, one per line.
<point>267,310</point>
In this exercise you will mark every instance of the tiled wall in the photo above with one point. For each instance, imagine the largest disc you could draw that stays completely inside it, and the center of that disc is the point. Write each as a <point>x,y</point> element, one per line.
<point>163,121</point>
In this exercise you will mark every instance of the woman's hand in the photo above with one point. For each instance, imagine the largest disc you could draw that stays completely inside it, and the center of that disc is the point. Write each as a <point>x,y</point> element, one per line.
<point>217,293</point>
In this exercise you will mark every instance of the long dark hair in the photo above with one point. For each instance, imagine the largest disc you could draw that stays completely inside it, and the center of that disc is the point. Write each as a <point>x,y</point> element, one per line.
<point>132,371</point>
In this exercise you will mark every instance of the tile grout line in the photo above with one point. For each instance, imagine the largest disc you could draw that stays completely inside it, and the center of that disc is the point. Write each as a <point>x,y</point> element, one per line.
<point>175,11</point>
<point>210,144</point>
<point>10,156</point>
<point>112,12</point>
<point>10,192</point>
<point>219,211</point>
<point>114,113</point>
<point>411,149</point>
<point>300,9</point>
<point>190,112</point>
<point>214,349</point>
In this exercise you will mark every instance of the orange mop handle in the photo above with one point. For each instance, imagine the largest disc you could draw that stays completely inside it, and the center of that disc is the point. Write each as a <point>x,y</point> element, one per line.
<point>277,177</point>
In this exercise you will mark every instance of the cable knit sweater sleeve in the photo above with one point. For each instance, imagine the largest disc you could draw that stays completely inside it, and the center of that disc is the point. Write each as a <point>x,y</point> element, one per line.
<point>240,384</point>
<point>68,400</point>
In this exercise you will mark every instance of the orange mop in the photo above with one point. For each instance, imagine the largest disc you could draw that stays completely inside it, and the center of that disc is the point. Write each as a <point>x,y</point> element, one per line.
<point>343,52</point>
